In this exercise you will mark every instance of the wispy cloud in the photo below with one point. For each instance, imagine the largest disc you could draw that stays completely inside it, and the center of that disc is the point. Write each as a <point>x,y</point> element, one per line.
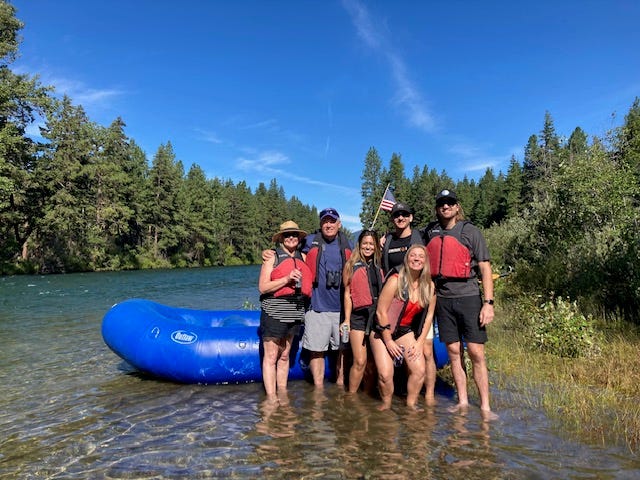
<point>474,158</point>
<point>82,94</point>
<point>407,97</point>
<point>208,136</point>
<point>274,164</point>
<point>269,123</point>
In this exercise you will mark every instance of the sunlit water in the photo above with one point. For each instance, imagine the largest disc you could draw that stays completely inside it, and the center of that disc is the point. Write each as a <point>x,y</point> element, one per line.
<point>71,409</point>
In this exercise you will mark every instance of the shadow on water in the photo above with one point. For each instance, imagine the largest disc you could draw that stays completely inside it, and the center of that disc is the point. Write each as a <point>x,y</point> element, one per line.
<point>71,409</point>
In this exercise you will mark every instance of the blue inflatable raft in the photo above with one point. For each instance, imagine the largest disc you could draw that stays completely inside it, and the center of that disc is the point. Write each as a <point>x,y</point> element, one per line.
<point>196,346</point>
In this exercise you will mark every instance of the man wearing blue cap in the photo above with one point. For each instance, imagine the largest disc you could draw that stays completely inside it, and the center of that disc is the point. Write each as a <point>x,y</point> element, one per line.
<point>327,252</point>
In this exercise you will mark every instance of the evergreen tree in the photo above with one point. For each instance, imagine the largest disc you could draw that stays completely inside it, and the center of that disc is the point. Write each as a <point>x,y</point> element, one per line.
<point>372,188</point>
<point>514,184</point>
<point>468,196</point>
<point>221,221</point>
<point>163,217</point>
<point>577,143</point>
<point>531,168</point>
<point>398,179</point>
<point>22,98</point>
<point>627,140</point>
<point>67,235</point>
<point>199,212</point>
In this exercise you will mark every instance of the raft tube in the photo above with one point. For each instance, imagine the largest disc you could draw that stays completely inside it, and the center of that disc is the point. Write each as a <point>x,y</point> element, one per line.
<point>197,346</point>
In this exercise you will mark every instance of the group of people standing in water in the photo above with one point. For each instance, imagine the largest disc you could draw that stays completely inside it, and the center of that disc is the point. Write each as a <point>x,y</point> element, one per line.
<point>385,294</point>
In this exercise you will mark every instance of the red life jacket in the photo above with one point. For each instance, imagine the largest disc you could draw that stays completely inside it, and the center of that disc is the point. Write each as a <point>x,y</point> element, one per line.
<point>285,264</point>
<point>449,258</point>
<point>362,294</point>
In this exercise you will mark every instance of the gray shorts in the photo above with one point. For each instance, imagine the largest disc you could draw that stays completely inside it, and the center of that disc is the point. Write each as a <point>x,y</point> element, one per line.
<point>321,331</point>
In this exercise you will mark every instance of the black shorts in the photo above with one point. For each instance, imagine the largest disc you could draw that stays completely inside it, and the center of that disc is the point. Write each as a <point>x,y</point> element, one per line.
<point>459,319</point>
<point>401,331</point>
<point>272,328</point>
<point>359,319</point>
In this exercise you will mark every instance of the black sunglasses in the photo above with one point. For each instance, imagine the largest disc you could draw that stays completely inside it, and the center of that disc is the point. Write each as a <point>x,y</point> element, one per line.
<point>448,201</point>
<point>401,214</point>
<point>290,234</point>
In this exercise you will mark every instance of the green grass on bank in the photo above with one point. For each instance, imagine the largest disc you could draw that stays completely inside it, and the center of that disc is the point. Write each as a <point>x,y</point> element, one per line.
<point>596,397</point>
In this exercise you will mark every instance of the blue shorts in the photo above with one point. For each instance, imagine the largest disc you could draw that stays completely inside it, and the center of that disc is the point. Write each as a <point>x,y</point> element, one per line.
<point>459,320</point>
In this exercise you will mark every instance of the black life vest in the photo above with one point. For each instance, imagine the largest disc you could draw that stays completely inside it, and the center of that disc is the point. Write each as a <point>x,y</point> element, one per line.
<point>416,237</point>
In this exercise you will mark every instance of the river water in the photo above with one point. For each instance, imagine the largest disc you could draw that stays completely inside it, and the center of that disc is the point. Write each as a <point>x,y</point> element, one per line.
<point>71,409</point>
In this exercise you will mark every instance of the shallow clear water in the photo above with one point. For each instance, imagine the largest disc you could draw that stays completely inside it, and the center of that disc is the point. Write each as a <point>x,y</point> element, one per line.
<point>70,408</point>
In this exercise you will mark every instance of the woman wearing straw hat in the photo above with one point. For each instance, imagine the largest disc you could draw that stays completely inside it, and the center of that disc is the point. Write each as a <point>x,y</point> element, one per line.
<point>285,289</point>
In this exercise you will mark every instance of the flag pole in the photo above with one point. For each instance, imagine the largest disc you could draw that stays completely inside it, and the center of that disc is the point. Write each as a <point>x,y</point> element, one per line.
<point>379,205</point>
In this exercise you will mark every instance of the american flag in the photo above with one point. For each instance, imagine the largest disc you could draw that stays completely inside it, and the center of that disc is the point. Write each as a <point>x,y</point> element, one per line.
<point>388,201</point>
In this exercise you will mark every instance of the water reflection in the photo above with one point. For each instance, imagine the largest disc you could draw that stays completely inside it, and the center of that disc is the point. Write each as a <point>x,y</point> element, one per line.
<point>71,409</point>
<point>467,449</point>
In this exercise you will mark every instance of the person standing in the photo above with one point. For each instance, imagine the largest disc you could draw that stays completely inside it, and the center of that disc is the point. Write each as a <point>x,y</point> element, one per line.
<point>405,314</point>
<point>362,279</point>
<point>285,289</point>
<point>459,258</point>
<point>396,244</point>
<point>327,252</point>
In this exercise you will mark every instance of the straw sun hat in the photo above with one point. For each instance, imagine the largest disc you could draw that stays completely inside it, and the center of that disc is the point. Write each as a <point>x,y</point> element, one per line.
<point>289,226</point>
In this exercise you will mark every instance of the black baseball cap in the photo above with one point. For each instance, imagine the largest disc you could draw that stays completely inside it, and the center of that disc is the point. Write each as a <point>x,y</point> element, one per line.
<point>450,194</point>
<point>400,207</point>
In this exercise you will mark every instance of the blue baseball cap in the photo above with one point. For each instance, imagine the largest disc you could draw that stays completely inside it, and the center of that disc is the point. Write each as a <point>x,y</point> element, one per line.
<point>329,212</point>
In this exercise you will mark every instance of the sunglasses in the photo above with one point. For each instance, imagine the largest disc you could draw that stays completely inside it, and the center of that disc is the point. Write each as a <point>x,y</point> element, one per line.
<point>290,234</point>
<point>401,214</point>
<point>449,202</point>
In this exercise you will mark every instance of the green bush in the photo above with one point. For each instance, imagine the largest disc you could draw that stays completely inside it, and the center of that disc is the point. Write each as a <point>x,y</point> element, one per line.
<point>556,326</point>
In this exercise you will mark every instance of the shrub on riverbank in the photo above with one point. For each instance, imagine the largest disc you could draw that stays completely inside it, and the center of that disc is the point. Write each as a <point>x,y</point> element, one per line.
<point>556,326</point>
<point>595,397</point>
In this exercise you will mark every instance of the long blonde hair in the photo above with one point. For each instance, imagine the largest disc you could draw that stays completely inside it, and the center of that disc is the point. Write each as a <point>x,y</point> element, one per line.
<point>425,286</point>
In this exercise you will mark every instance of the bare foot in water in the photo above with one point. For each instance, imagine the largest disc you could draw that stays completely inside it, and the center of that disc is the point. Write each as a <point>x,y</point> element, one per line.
<point>488,415</point>
<point>415,408</point>
<point>384,406</point>
<point>430,401</point>
<point>459,408</point>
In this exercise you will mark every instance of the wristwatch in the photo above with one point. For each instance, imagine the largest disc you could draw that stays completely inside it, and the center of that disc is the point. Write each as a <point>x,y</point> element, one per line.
<point>489,301</point>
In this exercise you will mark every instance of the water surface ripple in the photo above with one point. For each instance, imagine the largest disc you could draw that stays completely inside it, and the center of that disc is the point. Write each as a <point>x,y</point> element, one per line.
<point>71,409</point>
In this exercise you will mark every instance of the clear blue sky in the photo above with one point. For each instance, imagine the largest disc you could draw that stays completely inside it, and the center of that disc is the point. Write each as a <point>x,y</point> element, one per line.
<point>300,90</point>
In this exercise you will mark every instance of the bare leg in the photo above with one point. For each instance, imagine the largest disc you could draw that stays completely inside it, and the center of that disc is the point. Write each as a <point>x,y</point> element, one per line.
<point>340,363</point>
<point>429,373</point>
<point>414,380</point>
<point>384,365</point>
<point>316,364</point>
<point>480,374</point>
<point>456,357</point>
<point>359,360</point>
<point>282,368</point>
<point>269,360</point>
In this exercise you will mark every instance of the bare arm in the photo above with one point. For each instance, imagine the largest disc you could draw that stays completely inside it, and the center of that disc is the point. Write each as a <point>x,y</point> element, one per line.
<point>428,321</point>
<point>384,302</point>
<point>266,285</point>
<point>487,312</point>
<point>348,304</point>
